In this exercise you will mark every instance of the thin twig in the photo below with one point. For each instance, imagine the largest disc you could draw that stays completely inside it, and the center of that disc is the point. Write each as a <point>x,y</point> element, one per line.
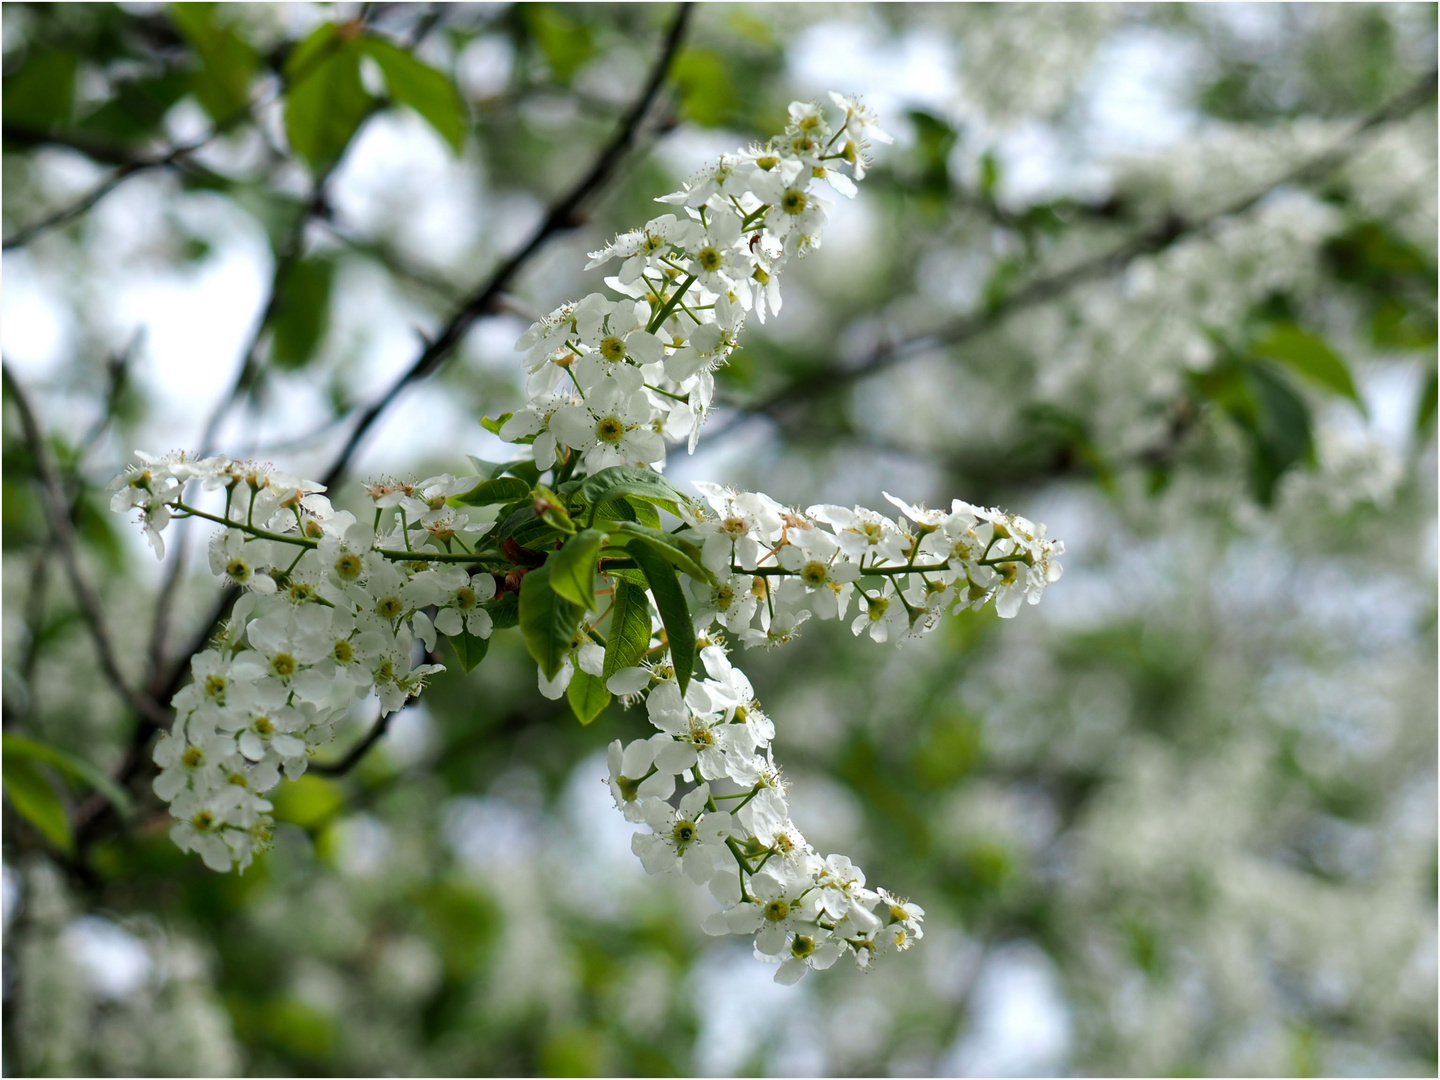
<point>57,513</point>
<point>1162,235</point>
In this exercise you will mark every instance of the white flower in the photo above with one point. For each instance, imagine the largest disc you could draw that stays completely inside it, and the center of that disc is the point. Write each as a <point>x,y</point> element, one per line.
<point>687,838</point>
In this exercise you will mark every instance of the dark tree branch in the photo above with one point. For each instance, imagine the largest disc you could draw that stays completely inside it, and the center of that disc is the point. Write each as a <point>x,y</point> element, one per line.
<point>563,215</point>
<point>57,513</point>
<point>1162,235</point>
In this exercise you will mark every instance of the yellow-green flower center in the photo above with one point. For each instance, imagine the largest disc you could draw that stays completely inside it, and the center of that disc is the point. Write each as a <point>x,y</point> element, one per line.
<point>238,569</point>
<point>684,832</point>
<point>814,574</point>
<point>802,946</point>
<point>283,664</point>
<point>777,910</point>
<point>343,651</point>
<point>193,756</point>
<point>610,430</point>
<point>388,607</point>
<point>708,258</point>
<point>793,201</point>
<point>612,348</point>
<point>348,566</point>
<point>465,597</point>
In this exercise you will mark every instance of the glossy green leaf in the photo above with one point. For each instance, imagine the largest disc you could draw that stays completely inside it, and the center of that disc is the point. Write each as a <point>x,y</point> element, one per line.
<point>35,800</point>
<point>670,601</point>
<point>42,93</point>
<point>302,314</point>
<point>415,83</point>
<point>681,553</point>
<point>18,746</point>
<point>228,60</point>
<point>325,100</point>
<point>547,621</point>
<point>1309,355</point>
<point>587,696</point>
<point>572,568</point>
<point>469,649</point>
<point>501,489</point>
<point>621,481</point>
<point>629,638</point>
<point>504,610</point>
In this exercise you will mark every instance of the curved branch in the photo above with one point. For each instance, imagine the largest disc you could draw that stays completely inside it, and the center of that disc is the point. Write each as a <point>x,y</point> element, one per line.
<point>1162,235</point>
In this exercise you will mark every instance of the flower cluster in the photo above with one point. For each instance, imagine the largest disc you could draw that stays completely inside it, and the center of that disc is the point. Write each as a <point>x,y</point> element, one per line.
<point>776,566</point>
<point>731,827</point>
<point>335,610</point>
<point>330,613</point>
<point>612,379</point>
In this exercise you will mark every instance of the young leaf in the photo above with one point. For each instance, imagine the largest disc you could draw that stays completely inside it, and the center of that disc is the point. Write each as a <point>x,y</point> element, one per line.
<point>572,568</point>
<point>587,696</point>
<point>547,621</point>
<point>469,649</point>
<point>622,480</point>
<point>499,490</point>
<point>629,638</point>
<point>682,553</point>
<point>1309,355</point>
<point>494,426</point>
<point>325,101</point>
<point>416,84</point>
<point>670,600</point>
<point>35,800</point>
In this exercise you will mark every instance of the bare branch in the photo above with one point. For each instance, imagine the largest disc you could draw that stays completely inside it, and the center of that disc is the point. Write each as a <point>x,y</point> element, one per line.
<point>57,513</point>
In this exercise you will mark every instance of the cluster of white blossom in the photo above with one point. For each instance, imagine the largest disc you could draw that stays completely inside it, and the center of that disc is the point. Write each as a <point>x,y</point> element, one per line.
<point>333,610</point>
<point>778,566</point>
<point>714,741</point>
<point>330,612</point>
<point>611,380</point>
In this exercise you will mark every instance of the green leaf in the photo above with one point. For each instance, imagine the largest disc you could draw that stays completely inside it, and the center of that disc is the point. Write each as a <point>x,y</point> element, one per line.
<point>626,480</point>
<point>1282,430</point>
<point>565,43</point>
<point>670,601</point>
<point>552,509</point>
<point>504,610</point>
<point>572,568</point>
<point>1309,355</point>
<point>547,621</point>
<point>18,746</point>
<point>137,107</point>
<point>35,800</point>
<point>629,638</point>
<point>414,83</point>
<point>487,470</point>
<point>310,802</point>
<point>41,94</point>
<point>707,90</point>
<point>587,696</point>
<point>494,426</point>
<point>1425,407</point>
<point>469,649</point>
<point>502,489</point>
<point>302,314</point>
<point>325,100</point>
<point>229,61</point>
<point>683,554</point>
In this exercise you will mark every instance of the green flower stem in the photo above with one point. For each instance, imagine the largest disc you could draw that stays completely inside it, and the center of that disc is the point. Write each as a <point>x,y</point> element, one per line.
<point>658,319</point>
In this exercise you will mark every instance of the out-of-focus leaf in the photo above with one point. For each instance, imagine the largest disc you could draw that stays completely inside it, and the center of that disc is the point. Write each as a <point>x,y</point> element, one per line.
<point>629,638</point>
<point>303,313</point>
<point>223,82</point>
<point>670,601</point>
<point>1395,324</point>
<point>1259,399</point>
<point>565,43</point>
<point>707,92</point>
<point>325,101</point>
<point>587,696</point>
<point>547,620</point>
<point>469,649</point>
<point>309,802</point>
<point>35,800</point>
<point>572,568</point>
<point>1425,407</point>
<point>42,93</point>
<point>18,746</point>
<point>1309,355</point>
<point>415,83</point>
<point>138,106</point>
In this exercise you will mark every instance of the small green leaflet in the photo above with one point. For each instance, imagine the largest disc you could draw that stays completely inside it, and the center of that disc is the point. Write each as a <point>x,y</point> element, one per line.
<point>670,600</point>
<point>469,649</point>
<point>416,84</point>
<point>629,638</point>
<point>502,489</point>
<point>547,620</point>
<point>572,568</point>
<point>494,426</point>
<point>587,696</point>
